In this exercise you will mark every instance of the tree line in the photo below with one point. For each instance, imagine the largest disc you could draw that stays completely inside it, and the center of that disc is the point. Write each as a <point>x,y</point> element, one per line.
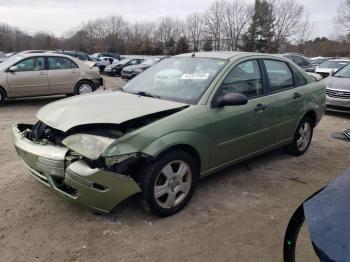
<point>266,26</point>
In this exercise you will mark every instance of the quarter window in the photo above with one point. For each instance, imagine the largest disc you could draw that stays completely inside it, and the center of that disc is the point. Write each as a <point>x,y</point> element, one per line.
<point>279,75</point>
<point>31,64</point>
<point>244,79</point>
<point>56,63</point>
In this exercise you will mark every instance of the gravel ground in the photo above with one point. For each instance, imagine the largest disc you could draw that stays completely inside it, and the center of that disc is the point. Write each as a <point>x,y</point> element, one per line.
<point>238,214</point>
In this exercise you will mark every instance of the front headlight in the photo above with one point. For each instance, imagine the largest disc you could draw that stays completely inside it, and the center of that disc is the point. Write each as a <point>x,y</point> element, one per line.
<point>89,146</point>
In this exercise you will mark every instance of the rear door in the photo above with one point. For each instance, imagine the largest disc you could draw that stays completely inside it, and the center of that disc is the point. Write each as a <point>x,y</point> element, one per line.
<point>30,78</point>
<point>63,74</point>
<point>285,99</point>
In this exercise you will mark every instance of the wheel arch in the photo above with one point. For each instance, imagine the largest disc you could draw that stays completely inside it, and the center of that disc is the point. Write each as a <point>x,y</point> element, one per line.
<point>186,148</point>
<point>3,89</point>
<point>84,80</point>
<point>312,115</point>
<point>191,142</point>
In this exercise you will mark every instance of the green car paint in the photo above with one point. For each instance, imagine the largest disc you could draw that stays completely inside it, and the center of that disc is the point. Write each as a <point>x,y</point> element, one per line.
<point>216,137</point>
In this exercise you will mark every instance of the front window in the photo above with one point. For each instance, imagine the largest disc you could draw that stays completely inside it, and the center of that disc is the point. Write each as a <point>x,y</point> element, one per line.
<point>344,72</point>
<point>181,79</point>
<point>31,64</point>
<point>244,79</point>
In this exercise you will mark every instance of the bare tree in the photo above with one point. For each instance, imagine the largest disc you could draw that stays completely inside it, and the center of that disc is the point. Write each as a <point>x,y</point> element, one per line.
<point>214,22</point>
<point>288,21</point>
<point>195,29</point>
<point>305,33</point>
<point>236,17</point>
<point>343,15</point>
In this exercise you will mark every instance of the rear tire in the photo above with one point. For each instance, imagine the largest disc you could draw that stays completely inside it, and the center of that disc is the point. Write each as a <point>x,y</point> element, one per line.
<point>302,137</point>
<point>84,87</point>
<point>168,183</point>
<point>2,97</point>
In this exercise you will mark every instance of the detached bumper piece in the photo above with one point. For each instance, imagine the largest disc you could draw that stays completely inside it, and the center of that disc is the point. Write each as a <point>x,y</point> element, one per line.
<point>95,188</point>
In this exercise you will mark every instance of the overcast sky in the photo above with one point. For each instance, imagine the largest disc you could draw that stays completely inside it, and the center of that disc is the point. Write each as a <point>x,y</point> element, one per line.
<point>58,16</point>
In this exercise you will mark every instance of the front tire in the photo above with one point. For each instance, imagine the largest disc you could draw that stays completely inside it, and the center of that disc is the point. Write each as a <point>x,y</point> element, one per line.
<point>84,87</point>
<point>302,137</point>
<point>169,182</point>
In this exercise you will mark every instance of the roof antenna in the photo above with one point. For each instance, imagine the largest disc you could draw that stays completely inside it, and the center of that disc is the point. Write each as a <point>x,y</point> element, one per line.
<point>194,54</point>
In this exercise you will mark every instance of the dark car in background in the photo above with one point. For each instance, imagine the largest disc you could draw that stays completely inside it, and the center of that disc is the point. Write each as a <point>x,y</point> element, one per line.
<point>130,72</point>
<point>115,69</point>
<point>301,61</point>
<point>106,54</point>
<point>79,55</point>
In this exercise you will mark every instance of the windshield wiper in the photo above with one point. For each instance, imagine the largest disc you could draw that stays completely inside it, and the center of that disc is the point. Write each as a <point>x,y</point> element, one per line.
<point>143,93</point>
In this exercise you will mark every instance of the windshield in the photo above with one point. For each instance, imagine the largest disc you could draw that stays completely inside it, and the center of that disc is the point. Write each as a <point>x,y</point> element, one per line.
<point>177,79</point>
<point>344,72</point>
<point>122,62</point>
<point>319,61</point>
<point>334,64</point>
<point>10,61</point>
<point>150,61</point>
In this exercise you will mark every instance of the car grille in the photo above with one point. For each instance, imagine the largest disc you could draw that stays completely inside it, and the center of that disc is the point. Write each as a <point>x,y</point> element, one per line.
<point>338,93</point>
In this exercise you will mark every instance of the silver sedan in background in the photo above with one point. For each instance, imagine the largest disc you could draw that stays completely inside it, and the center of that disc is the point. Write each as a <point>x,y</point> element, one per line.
<point>338,90</point>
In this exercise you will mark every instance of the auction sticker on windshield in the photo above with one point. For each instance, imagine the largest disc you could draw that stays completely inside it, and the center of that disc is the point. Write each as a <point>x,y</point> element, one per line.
<point>195,76</point>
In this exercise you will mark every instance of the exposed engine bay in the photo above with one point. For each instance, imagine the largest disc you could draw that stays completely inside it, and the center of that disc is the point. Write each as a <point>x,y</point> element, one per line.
<point>42,133</point>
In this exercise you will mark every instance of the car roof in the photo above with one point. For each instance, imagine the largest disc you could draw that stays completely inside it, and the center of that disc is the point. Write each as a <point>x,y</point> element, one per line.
<point>230,55</point>
<point>25,55</point>
<point>213,54</point>
<point>340,60</point>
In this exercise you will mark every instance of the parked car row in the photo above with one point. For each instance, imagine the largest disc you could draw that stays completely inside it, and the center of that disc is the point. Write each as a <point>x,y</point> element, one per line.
<point>46,73</point>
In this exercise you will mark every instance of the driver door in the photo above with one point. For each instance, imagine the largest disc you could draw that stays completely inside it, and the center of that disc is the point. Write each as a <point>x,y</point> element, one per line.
<point>239,131</point>
<point>30,78</point>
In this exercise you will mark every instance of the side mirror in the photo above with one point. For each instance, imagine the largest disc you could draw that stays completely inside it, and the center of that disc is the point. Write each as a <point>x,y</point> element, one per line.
<point>231,99</point>
<point>12,69</point>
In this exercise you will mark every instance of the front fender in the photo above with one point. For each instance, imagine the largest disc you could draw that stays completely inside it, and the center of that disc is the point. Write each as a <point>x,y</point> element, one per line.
<point>198,141</point>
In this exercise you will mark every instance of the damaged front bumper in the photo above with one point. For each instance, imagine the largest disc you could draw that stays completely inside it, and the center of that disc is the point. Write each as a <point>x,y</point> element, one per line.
<point>95,188</point>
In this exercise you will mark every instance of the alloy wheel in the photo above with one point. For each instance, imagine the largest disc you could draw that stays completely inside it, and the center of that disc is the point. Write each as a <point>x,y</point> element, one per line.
<point>172,184</point>
<point>304,136</point>
<point>85,89</point>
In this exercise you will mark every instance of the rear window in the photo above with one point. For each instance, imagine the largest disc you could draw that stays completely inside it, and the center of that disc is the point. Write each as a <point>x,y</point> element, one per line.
<point>279,75</point>
<point>57,63</point>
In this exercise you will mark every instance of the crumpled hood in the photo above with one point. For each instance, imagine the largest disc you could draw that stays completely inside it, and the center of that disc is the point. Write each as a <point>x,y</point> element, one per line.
<point>337,83</point>
<point>101,108</point>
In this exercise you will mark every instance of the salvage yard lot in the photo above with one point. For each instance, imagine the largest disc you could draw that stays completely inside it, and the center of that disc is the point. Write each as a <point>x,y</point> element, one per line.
<point>238,214</point>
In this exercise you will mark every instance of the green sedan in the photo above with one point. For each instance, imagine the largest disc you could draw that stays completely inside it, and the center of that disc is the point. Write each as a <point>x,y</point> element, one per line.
<point>185,118</point>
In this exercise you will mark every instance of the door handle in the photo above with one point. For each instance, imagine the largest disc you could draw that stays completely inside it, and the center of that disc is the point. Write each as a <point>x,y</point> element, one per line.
<point>42,73</point>
<point>260,108</point>
<point>296,95</point>
<point>74,71</point>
